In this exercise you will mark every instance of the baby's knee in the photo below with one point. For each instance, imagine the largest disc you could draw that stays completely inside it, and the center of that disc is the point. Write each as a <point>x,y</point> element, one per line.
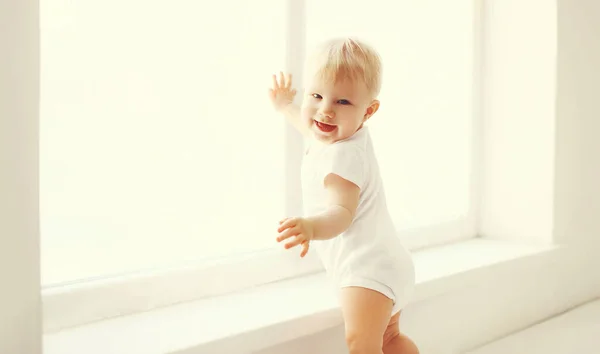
<point>359,343</point>
<point>391,332</point>
<point>400,344</point>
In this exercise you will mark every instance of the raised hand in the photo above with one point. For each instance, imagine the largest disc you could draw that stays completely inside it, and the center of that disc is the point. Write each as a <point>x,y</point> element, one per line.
<point>281,93</point>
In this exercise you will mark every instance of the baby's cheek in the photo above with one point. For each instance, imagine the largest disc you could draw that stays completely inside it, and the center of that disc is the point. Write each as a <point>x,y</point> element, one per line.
<point>306,113</point>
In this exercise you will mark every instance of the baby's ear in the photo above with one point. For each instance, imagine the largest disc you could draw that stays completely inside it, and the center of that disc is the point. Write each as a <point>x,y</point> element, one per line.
<point>373,107</point>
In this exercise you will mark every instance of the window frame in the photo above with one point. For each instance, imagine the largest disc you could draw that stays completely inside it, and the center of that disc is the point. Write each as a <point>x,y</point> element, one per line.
<point>78,302</point>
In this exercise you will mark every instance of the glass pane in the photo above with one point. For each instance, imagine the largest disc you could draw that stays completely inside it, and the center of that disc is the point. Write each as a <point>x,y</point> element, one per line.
<point>158,145</point>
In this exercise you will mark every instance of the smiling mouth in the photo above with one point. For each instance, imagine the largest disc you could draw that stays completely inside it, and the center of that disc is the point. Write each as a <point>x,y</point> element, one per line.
<point>326,128</point>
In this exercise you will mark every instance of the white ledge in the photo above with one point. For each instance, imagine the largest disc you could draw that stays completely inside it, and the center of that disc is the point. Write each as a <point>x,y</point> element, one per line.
<point>275,313</point>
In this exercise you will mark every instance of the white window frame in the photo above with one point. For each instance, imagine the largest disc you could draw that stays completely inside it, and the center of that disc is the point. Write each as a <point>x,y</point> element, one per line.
<point>75,303</point>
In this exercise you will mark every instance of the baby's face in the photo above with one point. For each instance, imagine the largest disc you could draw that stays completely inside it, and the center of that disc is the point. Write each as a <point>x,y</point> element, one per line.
<point>335,111</point>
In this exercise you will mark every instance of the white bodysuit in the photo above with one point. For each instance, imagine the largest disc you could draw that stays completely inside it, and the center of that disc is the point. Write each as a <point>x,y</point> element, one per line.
<point>369,253</point>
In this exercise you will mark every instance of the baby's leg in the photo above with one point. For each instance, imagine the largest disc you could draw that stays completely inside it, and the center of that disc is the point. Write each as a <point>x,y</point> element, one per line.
<point>395,342</point>
<point>366,315</point>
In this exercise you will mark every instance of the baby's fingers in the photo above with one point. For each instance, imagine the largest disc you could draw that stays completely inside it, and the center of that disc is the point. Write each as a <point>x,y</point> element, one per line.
<point>275,84</point>
<point>298,240</point>
<point>288,81</point>
<point>305,246</point>
<point>287,223</point>
<point>287,234</point>
<point>281,82</point>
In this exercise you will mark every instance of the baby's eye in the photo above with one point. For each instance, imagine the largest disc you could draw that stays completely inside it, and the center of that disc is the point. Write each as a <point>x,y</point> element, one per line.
<point>344,102</point>
<point>317,96</point>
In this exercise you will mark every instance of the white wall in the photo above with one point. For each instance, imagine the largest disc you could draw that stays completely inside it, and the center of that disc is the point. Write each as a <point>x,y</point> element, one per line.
<point>539,190</point>
<point>20,323</point>
<point>577,161</point>
<point>519,79</point>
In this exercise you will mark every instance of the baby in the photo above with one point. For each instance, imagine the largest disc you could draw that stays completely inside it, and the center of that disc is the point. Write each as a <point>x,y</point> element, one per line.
<point>346,217</point>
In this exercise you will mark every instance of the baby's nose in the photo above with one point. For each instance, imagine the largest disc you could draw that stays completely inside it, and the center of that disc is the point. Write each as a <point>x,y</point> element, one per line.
<point>327,114</point>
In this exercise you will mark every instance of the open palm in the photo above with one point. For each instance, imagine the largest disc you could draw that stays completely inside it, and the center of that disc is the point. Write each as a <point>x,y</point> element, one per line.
<point>282,94</point>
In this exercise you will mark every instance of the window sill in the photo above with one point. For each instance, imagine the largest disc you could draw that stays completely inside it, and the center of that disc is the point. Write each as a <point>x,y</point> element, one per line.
<point>275,313</point>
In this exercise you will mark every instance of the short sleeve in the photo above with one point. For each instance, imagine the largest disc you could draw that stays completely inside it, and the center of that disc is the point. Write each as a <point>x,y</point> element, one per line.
<point>347,162</point>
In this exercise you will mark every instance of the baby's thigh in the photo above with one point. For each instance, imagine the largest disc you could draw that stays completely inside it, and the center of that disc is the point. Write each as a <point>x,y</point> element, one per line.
<point>366,316</point>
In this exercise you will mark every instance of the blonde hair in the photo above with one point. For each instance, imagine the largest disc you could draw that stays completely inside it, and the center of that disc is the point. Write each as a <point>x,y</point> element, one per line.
<point>346,58</point>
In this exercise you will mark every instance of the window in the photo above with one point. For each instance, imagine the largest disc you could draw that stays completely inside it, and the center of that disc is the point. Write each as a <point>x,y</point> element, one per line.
<point>157,143</point>
<point>159,148</point>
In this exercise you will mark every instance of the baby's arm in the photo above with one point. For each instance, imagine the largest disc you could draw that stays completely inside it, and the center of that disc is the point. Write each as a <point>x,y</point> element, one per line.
<point>343,201</point>
<point>282,97</point>
<point>343,197</point>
